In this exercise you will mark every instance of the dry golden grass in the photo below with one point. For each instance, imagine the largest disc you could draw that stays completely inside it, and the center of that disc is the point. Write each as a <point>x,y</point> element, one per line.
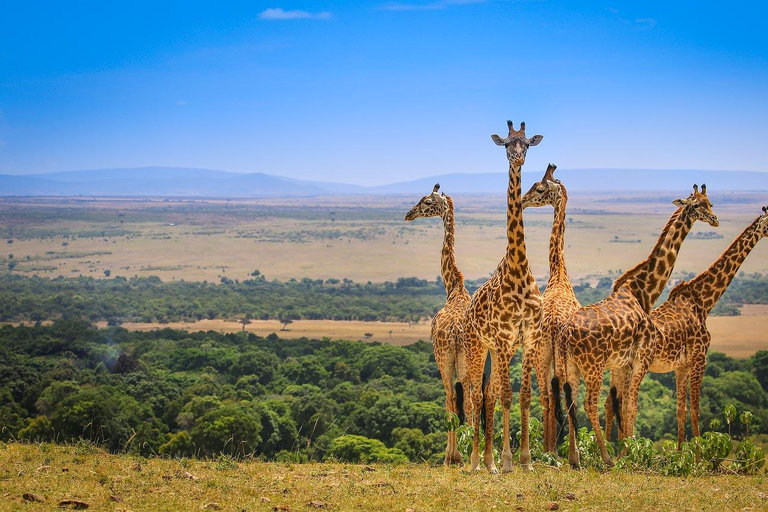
<point>738,336</point>
<point>115,482</point>
<point>393,333</point>
<point>204,244</point>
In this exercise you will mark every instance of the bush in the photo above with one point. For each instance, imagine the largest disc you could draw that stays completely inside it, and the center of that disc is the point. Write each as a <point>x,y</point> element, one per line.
<point>353,448</point>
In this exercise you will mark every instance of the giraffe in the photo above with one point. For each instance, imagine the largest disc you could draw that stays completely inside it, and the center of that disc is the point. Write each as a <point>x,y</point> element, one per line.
<point>504,313</point>
<point>447,323</point>
<point>681,322</point>
<point>559,299</point>
<point>617,332</point>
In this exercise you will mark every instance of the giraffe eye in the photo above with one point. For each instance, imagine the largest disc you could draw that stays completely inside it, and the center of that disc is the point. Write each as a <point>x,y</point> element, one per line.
<point>428,201</point>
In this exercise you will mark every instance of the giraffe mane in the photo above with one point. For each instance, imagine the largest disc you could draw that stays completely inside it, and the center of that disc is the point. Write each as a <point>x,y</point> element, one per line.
<point>631,272</point>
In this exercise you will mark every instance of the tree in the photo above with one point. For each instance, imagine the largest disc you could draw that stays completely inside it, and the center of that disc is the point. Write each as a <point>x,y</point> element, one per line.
<point>231,428</point>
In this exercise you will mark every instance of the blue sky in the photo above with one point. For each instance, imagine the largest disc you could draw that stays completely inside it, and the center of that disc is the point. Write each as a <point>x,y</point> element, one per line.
<point>381,92</point>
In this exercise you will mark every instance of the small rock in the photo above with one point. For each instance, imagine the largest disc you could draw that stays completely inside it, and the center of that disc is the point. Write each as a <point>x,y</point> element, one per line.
<point>167,477</point>
<point>187,475</point>
<point>264,499</point>
<point>520,496</point>
<point>553,505</point>
<point>519,507</point>
<point>570,496</point>
<point>317,504</point>
<point>30,496</point>
<point>43,468</point>
<point>369,468</point>
<point>212,506</point>
<point>410,510</point>
<point>116,498</point>
<point>74,504</point>
<point>64,470</point>
<point>136,467</point>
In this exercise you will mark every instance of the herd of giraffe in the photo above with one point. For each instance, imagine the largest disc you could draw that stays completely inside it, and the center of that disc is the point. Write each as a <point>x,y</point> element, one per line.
<point>562,339</point>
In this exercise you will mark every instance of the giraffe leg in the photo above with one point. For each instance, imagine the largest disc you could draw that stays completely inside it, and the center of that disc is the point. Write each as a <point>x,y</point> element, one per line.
<point>548,400</point>
<point>446,365</point>
<point>506,404</point>
<point>697,375</point>
<point>568,375</point>
<point>594,381</point>
<point>619,383</point>
<point>681,384</point>
<point>608,406</point>
<point>475,359</point>
<point>492,393</point>
<point>525,413</point>
<point>631,398</point>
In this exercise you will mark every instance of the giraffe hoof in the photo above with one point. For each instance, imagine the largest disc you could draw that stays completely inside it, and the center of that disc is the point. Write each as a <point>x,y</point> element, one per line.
<point>493,471</point>
<point>528,467</point>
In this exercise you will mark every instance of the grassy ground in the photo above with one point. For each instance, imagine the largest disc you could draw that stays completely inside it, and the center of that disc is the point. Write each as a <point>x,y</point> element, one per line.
<point>119,482</point>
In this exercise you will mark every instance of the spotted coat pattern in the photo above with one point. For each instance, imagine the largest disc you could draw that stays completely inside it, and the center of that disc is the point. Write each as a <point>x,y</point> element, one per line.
<point>559,298</point>
<point>447,324</point>
<point>681,322</point>
<point>617,333</point>
<point>505,313</point>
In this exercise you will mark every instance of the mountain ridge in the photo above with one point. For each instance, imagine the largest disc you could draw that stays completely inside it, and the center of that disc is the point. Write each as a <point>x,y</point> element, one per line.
<point>199,182</point>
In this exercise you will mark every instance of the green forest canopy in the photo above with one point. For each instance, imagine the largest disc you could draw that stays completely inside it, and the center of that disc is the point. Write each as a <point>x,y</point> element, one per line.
<point>207,393</point>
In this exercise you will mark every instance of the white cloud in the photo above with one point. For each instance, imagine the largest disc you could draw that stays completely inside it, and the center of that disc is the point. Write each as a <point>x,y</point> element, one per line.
<point>277,13</point>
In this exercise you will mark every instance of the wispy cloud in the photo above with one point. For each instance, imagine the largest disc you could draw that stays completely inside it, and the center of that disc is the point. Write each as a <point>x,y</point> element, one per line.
<point>427,6</point>
<point>646,22</point>
<point>638,23</point>
<point>278,13</point>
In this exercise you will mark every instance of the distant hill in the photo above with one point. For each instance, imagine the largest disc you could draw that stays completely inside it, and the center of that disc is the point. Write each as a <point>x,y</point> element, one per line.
<point>192,182</point>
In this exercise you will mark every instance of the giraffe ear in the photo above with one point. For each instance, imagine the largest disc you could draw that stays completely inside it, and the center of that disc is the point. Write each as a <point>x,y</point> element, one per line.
<point>533,141</point>
<point>498,140</point>
<point>680,202</point>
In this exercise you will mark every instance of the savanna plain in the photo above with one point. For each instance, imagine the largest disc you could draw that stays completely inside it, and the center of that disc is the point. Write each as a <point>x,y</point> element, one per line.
<point>360,239</point>
<point>65,252</point>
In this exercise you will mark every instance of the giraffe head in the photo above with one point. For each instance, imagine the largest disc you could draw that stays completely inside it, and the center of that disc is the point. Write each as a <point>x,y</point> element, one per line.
<point>516,143</point>
<point>432,205</point>
<point>698,207</point>
<point>762,223</point>
<point>548,191</point>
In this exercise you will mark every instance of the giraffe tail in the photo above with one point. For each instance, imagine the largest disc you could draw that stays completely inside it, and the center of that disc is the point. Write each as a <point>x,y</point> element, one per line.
<point>482,410</point>
<point>616,406</point>
<point>460,403</point>
<point>569,403</point>
<point>556,397</point>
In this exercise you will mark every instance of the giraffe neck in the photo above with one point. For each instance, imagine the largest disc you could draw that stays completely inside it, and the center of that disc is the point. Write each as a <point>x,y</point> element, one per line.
<point>710,285</point>
<point>452,277</point>
<point>648,278</point>
<point>557,270</point>
<point>516,256</point>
